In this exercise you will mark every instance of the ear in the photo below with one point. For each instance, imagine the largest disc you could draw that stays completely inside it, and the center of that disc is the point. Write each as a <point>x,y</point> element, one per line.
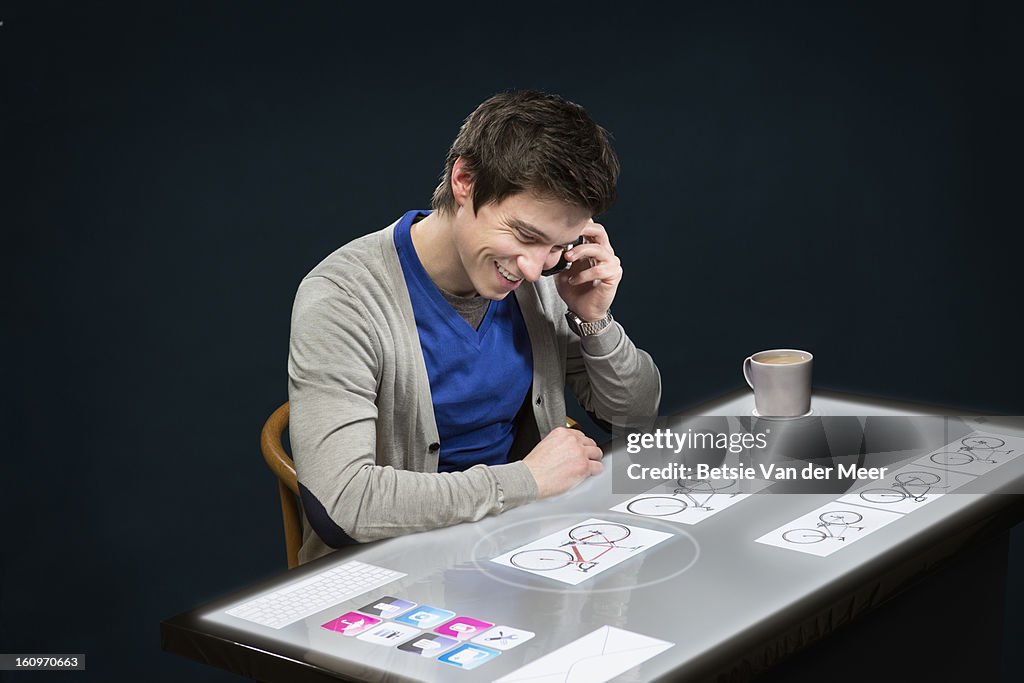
<point>462,183</point>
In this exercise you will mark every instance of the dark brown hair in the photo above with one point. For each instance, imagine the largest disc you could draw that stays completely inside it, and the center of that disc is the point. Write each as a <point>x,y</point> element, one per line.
<point>536,142</point>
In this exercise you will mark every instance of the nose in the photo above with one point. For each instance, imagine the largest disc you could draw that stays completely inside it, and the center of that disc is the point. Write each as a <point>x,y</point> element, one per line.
<point>537,260</point>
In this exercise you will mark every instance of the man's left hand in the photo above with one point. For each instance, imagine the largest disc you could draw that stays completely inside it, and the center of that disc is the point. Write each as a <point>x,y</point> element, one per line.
<point>589,287</point>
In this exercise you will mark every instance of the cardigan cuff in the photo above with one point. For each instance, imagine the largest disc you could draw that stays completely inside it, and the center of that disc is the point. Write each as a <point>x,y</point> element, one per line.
<point>603,343</point>
<point>516,486</point>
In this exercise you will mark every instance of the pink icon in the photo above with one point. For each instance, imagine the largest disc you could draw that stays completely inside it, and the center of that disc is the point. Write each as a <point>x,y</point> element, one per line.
<point>350,623</point>
<point>463,628</point>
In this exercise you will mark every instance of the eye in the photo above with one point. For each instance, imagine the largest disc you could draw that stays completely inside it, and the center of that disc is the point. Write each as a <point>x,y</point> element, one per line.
<point>525,239</point>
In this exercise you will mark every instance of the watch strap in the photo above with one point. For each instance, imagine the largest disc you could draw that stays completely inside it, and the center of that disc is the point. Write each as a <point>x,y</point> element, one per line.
<point>584,328</point>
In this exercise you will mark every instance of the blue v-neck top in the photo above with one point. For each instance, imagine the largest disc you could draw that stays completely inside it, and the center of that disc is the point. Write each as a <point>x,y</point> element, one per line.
<point>478,378</point>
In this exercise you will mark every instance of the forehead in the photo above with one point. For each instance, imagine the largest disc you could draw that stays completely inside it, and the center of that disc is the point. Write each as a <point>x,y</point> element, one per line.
<point>558,221</point>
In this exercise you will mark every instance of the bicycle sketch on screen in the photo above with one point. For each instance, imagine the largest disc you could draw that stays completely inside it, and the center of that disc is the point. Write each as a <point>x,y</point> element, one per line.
<point>832,526</point>
<point>915,486</point>
<point>972,449</point>
<point>696,494</point>
<point>588,543</point>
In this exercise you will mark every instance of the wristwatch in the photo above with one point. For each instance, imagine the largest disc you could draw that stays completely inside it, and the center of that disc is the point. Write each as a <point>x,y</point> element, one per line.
<point>582,328</point>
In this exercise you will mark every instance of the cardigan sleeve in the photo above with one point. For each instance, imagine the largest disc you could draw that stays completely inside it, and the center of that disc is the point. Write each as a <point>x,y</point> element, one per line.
<point>612,378</point>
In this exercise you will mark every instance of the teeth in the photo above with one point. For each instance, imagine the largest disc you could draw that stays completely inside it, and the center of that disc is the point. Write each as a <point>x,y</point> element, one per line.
<point>507,275</point>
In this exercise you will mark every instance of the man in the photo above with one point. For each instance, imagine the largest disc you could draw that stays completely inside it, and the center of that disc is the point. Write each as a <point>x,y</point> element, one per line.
<point>428,360</point>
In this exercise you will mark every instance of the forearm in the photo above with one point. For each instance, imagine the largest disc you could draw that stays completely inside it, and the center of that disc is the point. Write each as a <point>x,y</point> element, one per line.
<point>611,377</point>
<point>347,497</point>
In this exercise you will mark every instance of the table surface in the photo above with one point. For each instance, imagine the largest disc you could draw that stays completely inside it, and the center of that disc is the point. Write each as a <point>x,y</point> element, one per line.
<point>709,589</point>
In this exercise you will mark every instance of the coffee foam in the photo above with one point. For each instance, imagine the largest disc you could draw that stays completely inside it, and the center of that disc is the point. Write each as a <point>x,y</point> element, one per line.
<point>782,359</point>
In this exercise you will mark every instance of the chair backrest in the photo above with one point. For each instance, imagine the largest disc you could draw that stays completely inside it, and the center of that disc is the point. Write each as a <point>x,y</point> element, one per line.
<point>272,445</point>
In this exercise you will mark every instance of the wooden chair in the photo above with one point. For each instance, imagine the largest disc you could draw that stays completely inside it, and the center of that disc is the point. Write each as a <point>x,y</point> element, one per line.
<point>272,445</point>
<point>281,464</point>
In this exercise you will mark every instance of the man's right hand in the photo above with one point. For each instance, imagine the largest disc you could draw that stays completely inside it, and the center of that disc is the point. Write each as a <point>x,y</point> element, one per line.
<point>563,459</point>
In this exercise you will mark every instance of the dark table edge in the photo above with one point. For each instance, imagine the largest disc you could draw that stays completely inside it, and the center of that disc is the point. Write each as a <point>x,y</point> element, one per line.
<point>178,636</point>
<point>187,635</point>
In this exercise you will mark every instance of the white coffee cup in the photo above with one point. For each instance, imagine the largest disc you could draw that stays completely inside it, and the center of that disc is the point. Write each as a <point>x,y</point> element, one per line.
<point>781,380</point>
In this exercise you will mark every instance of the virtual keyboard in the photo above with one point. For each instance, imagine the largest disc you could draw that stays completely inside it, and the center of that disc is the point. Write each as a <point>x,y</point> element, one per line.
<point>303,598</point>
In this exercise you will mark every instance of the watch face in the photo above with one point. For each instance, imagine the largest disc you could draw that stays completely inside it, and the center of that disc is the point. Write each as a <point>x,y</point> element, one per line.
<point>574,322</point>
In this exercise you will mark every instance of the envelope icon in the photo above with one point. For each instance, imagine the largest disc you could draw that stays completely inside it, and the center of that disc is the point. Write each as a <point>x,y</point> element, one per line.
<point>596,657</point>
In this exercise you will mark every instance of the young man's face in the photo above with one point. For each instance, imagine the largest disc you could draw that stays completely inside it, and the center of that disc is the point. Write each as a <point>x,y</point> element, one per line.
<point>514,239</point>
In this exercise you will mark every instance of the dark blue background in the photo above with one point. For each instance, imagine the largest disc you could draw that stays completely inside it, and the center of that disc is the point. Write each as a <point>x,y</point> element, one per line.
<point>841,177</point>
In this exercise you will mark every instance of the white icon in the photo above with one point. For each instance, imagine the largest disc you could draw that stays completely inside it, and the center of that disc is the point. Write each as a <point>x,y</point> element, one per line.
<point>349,625</point>
<point>389,634</point>
<point>504,637</point>
<point>421,616</point>
<point>467,656</point>
<point>386,607</point>
<point>426,644</point>
<point>462,628</point>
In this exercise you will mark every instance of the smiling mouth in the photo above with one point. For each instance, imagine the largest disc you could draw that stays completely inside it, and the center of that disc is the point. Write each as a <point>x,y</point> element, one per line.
<point>506,274</point>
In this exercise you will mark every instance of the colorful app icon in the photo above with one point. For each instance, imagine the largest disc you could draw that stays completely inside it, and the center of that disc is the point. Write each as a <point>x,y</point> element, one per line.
<point>463,628</point>
<point>351,623</point>
<point>428,645</point>
<point>388,633</point>
<point>425,616</point>
<point>468,656</point>
<point>387,607</point>
<point>504,637</point>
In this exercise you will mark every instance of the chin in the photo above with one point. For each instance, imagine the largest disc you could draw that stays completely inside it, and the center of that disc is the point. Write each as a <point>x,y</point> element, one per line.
<point>494,296</point>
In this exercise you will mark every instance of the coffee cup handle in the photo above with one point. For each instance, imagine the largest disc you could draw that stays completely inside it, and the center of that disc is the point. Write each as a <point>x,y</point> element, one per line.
<point>746,371</point>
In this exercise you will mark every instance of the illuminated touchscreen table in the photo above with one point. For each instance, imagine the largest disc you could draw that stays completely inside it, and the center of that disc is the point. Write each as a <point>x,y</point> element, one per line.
<point>594,584</point>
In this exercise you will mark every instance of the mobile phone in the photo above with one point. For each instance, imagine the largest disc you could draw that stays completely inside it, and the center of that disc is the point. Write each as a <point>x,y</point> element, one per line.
<point>562,264</point>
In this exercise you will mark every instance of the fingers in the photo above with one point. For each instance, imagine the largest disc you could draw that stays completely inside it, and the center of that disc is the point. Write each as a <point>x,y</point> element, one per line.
<point>587,446</point>
<point>596,234</point>
<point>602,263</point>
<point>563,459</point>
<point>592,250</point>
<point>576,433</point>
<point>608,273</point>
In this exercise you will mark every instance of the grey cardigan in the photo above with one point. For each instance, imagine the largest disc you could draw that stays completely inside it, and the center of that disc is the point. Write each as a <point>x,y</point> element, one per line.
<point>362,425</point>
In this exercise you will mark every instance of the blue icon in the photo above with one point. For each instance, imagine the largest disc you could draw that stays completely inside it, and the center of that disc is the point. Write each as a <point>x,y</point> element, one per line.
<point>425,616</point>
<point>468,656</point>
